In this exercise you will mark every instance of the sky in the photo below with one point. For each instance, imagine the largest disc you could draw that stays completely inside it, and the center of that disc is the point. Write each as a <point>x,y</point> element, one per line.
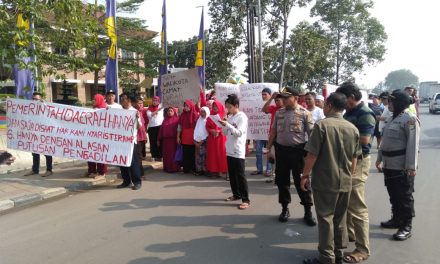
<point>412,28</point>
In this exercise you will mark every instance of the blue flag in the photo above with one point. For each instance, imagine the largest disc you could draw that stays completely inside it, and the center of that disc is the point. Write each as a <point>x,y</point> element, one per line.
<point>24,79</point>
<point>200,57</point>
<point>111,72</point>
<point>163,66</point>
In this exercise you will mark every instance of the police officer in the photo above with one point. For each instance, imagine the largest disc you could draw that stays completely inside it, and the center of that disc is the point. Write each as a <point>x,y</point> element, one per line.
<point>397,157</point>
<point>291,127</point>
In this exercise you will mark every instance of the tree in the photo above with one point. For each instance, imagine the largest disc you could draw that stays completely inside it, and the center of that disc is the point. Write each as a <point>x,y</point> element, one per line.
<point>218,61</point>
<point>358,39</point>
<point>399,79</point>
<point>63,23</point>
<point>379,88</point>
<point>280,11</point>
<point>308,57</point>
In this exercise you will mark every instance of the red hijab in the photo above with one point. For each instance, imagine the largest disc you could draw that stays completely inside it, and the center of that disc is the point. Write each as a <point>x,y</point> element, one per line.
<point>220,109</point>
<point>99,101</point>
<point>153,108</point>
<point>188,119</point>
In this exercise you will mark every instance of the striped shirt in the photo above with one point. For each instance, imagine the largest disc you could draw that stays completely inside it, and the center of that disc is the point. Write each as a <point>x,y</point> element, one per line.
<point>363,118</point>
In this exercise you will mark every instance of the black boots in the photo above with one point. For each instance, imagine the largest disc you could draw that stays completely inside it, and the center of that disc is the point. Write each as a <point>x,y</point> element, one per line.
<point>404,231</point>
<point>308,216</point>
<point>392,224</point>
<point>284,216</point>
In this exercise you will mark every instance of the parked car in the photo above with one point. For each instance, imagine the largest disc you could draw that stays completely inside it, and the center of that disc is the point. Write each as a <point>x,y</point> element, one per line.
<point>434,103</point>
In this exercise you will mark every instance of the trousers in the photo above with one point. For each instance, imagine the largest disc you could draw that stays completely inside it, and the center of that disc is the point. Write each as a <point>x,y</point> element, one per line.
<point>237,179</point>
<point>259,145</point>
<point>290,160</point>
<point>357,215</point>
<point>132,174</point>
<point>400,188</point>
<point>36,163</point>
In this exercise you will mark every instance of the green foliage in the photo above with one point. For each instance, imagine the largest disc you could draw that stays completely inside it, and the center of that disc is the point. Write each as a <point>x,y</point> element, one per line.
<point>308,56</point>
<point>218,67</point>
<point>357,38</point>
<point>399,79</point>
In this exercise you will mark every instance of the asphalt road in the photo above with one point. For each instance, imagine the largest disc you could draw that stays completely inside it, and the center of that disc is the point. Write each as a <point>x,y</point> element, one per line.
<point>183,219</point>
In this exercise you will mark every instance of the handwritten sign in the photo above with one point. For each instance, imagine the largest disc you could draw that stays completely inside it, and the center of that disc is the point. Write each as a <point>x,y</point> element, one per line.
<point>222,90</point>
<point>96,135</point>
<point>251,104</point>
<point>180,86</point>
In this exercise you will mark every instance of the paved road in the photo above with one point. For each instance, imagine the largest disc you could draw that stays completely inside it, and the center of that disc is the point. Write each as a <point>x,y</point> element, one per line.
<point>182,219</point>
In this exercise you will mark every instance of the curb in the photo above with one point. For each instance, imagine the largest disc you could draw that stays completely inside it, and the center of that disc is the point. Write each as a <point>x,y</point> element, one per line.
<point>51,193</point>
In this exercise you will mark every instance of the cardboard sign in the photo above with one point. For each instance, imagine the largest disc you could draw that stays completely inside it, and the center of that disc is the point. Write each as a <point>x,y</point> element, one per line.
<point>251,104</point>
<point>96,135</point>
<point>180,86</point>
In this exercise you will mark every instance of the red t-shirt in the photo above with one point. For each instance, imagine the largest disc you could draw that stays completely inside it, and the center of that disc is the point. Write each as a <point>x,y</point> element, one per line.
<point>272,110</point>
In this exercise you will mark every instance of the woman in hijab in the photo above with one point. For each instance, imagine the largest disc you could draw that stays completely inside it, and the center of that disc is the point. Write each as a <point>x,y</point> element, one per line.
<point>216,143</point>
<point>200,136</point>
<point>97,170</point>
<point>167,140</point>
<point>155,118</point>
<point>185,135</point>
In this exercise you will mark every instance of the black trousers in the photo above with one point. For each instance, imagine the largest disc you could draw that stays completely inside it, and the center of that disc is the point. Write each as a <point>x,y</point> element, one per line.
<point>36,163</point>
<point>189,158</point>
<point>237,179</point>
<point>132,174</point>
<point>140,147</point>
<point>400,188</point>
<point>156,152</point>
<point>290,160</point>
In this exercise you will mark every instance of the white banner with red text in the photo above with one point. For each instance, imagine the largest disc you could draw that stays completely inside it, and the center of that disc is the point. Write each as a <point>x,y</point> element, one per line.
<point>95,135</point>
<point>251,103</point>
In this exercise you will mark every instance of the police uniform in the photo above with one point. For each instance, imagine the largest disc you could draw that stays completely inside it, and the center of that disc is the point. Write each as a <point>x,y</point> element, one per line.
<point>398,153</point>
<point>292,126</point>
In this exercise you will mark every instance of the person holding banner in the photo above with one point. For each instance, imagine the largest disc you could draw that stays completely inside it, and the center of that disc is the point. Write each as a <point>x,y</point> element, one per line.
<point>185,135</point>
<point>111,100</point>
<point>235,127</point>
<point>132,173</point>
<point>260,144</point>
<point>216,144</point>
<point>166,140</point>
<point>141,133</point>
<point>143,112</point>
<point>155,118</point>
<point>36,96</point>
<point>97,170</point>
<point>317,113</point>
<point>200,136</point>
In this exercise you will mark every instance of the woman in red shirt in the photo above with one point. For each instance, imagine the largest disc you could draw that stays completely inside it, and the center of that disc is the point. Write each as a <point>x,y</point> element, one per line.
<point>216,142</point>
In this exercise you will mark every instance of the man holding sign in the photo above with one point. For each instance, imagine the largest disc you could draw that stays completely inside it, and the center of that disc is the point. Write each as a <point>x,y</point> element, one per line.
<point>36,157</point>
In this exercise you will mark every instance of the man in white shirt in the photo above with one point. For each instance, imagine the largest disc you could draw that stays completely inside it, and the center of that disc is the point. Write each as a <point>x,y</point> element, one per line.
<point>317,113</point>
<point>131,174</point>
<point>235,129</point>
<point>110,97</point>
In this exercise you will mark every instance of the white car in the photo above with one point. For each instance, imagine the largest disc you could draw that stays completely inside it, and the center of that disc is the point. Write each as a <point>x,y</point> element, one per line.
<point>434,103</point>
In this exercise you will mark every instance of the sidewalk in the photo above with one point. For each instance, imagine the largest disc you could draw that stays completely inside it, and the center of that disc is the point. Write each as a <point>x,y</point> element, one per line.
<point>17,190</point>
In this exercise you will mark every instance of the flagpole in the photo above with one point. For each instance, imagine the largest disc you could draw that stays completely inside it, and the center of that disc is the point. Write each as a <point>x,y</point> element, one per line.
<point>34,56</point>
<point>117,61</point>
<point>204,48</point>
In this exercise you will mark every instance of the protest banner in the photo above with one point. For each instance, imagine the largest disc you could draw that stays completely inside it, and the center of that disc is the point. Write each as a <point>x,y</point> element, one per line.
<point>222,90</point>
<point>251,104</point>
<point>180,86</point>
<point>96,135</point>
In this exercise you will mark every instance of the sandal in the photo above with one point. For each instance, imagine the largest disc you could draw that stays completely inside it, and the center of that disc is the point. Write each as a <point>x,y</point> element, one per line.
<point>355,257</point>
<point>231,199</point>
<point>244,206</point>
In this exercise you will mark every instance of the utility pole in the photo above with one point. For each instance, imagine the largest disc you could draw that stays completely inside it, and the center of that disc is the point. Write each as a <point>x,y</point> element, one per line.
<point>260,18</point>
<point>95,80</point>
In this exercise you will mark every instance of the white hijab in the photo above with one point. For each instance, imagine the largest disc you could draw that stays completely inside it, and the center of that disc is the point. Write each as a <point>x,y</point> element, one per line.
<point>200,132</point>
